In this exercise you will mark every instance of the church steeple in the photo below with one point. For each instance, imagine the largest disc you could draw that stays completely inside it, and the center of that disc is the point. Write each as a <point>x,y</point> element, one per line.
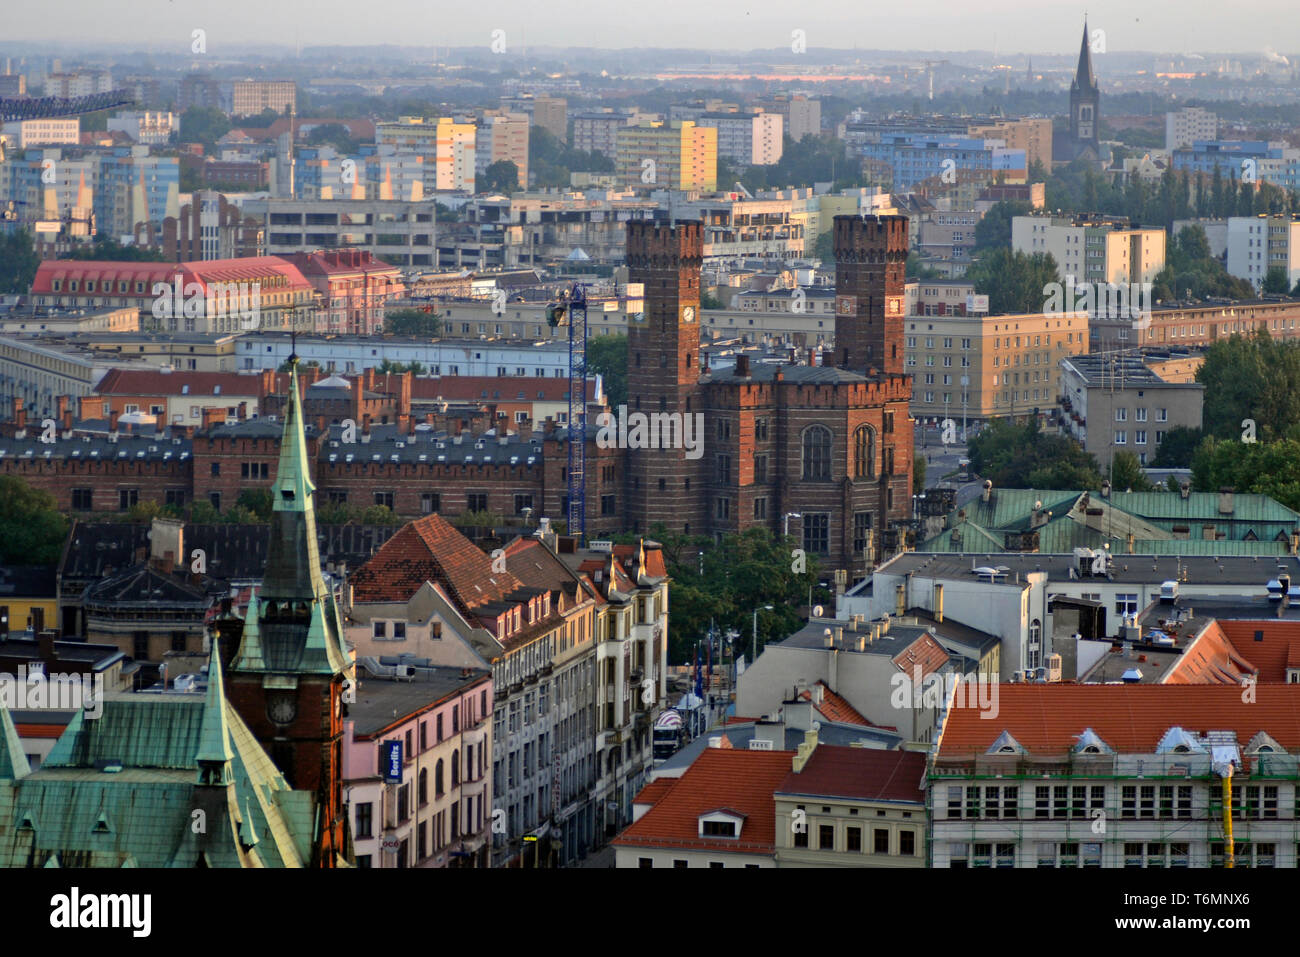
<point>214,753</point>
<point>293,561</point>
<point>1083,76</point>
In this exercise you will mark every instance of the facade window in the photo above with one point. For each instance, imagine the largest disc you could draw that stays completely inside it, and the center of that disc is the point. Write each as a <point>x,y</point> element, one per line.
<point>430,502</point>
<point>83,499</point>
<point>816,533</point>
<point>817,453</point>
<point>861,531</point>
<point>365,819</point>
<point>826,837</point>
<point>853,839</point>
<point>880,840</point>
<point>864,452</point>
<point>476,502</point>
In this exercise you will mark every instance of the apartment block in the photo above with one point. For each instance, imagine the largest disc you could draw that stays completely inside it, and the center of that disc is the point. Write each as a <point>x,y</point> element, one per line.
<point>597,132</point>
<point>1114,403</point>
<point>251,97</point>
<point>1184,127</point>
<point>151,127</point>
<point>678,155</point>
<point>400,233</point>
<point>987,366</point>
<point>500,137</point>
<point>1257,244</point>
<point>1093,250</point>
<point>750,139</point>
<point>1034,136</point>
<point>50,131</point>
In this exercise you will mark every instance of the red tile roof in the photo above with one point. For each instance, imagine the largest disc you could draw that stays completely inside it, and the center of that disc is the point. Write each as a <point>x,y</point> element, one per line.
<point>925,652</point>
<point>477,388</point>
<point>40,730</point>
<point>1211,659</point>
<point>741,780</point>
<point>654,791</point>
<point>863,773</point>
<point>1279,650</point>
<point>835,708</point>
<point>146,382</point>
<point>1131,718</point>
<point>431,549</point>
<point>246,269</point>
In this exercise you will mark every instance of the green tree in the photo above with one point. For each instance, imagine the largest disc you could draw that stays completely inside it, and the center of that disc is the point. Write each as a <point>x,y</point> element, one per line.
<point>709,301</point>
<point>1017,455</point>
<point>1126,473</point>
<point>258,501</point>
<point>204,124</point>
<point>740,573</point>
<point>824,248</point>
<point>1264,468</point>
<point>18,262</point>
<point>607,355</point>
<point>413,322</point>
<point>913,269</point>
<point>32,531</point>
<point>1178,447</point>
<point>918,474</point>
<point>1256,379</point>
<point>106,248</point>
<point>500,177</point>
<point>333,134</point>
<point>1015,282</point>
<point>1275,281</point>
<point>994,230</point>
<point>202,512</point>
<point>287,366</point>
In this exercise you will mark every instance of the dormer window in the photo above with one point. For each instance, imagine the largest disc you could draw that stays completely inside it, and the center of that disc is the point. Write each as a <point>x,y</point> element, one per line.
<point>722,822</point>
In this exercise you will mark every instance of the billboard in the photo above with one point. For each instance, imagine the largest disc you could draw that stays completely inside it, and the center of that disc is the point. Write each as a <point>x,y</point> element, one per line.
<point>393,761</point>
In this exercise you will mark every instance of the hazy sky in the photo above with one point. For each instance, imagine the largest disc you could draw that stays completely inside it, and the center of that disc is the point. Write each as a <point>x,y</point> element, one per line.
<point>1010,26</point>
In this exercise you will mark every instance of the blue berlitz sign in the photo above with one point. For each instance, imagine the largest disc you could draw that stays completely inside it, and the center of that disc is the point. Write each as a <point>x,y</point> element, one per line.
<point>392,760</point>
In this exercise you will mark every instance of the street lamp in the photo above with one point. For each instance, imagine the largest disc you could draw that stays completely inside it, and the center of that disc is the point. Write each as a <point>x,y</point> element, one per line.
<point>753,649</point>
<point>788,516</point>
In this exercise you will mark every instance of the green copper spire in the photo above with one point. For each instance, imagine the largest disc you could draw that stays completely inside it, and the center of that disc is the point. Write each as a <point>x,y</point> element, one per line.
<point>293,559</point>
<point>250,654</point>
<point>13,760</point>
<point>214,734</point>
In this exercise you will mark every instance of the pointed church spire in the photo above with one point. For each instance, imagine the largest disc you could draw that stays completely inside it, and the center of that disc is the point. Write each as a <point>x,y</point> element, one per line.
<point>293,558</point>
<point>250,654</point>
<point>214,754</point>
<point>13,760</point>
<point>1083,77</point>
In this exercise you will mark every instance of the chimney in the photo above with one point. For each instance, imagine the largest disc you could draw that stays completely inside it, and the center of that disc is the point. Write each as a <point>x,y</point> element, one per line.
<point>20,414</point>
<point>365,423</point>
<point>45,648</point>
<point>773,731</point>
<point>112,421</point>
<point>938,602</point>
<point>241,411</point>
<point>1225,501</point>
<point>798,714</point>
<point>525,429</point>
<point>900,599</point>
<point>806,749</point>
<point>742,367</point>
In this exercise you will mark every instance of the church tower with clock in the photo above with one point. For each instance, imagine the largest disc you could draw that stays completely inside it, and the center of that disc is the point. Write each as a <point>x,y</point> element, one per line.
<point>289,676</point>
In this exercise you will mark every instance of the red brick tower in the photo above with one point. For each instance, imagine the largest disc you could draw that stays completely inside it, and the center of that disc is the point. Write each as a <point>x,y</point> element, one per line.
<point>663,374</point>
<point>870,257</point>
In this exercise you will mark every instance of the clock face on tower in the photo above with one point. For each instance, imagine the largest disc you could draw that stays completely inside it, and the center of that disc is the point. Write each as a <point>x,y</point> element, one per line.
<point>688,314</point>
<point>282,709</point>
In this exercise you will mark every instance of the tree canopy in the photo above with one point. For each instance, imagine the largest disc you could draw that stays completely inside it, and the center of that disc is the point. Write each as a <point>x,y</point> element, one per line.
<point>32,530</point>
<point>500,177</point>
<point>1254,379</point>
<point>1013,281</point>
<point>607,355</point>
<point>1018,455</point>
<point>413,322</point>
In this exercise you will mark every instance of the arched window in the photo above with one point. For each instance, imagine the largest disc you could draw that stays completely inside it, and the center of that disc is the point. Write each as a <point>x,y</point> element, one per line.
<point>864,452</point>
<point>424,786</point>
<point>816,453</point>
<point>437,780</point>
<point>455,768</point>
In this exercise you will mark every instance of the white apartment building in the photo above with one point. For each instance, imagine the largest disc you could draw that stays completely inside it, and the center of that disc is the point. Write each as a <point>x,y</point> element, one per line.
<point>1186,126</point>
<point>753,139</point>
<point>49,131</point>
<point>1256,243</point>
<point>1092,251</point>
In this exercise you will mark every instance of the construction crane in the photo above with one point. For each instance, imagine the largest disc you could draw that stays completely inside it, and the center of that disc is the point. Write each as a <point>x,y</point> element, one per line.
<point>572,309</point>
<point>14,108</point>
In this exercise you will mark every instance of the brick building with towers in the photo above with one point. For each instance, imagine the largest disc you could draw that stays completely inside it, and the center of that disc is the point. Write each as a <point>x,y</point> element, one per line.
<point>828,446</point>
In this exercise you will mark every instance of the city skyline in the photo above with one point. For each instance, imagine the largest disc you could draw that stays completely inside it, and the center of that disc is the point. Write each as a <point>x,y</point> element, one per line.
<point>1003,26</point>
